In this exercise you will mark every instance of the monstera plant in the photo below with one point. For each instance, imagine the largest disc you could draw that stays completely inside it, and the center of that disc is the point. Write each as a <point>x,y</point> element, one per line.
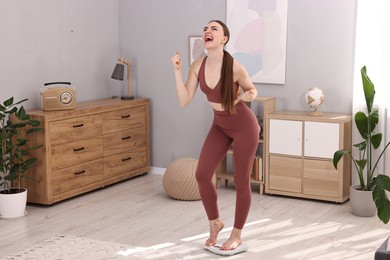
<point>365,162</point>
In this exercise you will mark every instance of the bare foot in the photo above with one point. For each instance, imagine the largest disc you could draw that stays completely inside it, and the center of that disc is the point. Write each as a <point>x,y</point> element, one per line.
<point>216,226</point>
<point>234,240</point>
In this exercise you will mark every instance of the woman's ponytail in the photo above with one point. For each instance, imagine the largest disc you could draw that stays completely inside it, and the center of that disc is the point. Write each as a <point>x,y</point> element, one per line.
<point>227,83</point>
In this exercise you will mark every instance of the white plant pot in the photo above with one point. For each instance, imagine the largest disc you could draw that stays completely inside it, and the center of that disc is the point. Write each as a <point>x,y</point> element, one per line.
<point>13,205</point>
<point>361,202</point>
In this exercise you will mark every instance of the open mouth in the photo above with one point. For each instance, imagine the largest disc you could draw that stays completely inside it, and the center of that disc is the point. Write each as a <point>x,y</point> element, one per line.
<point>208,38</point>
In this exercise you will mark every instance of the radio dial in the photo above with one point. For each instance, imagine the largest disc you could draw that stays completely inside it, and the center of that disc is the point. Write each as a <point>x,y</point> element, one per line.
<point>66,97</point>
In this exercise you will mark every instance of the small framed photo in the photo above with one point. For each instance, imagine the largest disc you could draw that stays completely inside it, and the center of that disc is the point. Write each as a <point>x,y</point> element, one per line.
<point>196,48</point>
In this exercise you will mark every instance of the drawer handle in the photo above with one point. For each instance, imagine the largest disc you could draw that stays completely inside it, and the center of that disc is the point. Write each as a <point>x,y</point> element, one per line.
<point>126,137</point>
<point>126,159</point>
<point>125,116</point>
<point>79,125</point>
<point>78,149</point>
<point>80,172</point>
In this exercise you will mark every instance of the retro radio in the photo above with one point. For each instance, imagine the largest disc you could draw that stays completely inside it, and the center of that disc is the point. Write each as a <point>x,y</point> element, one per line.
<point>59,97</point>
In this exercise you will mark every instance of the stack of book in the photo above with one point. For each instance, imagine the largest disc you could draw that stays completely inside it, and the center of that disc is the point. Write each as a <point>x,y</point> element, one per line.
<point>257,169</point>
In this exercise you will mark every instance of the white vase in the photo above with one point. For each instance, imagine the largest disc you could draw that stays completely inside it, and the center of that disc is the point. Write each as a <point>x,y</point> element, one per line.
<point>13,205</point>
<point>362,203</point>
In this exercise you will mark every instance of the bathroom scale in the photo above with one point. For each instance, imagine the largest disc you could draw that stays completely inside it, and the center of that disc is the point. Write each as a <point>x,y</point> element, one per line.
<point>217,250</point>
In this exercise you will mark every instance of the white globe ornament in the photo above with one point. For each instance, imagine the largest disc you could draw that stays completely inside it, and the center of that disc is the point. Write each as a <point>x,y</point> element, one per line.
<point>314,98</point>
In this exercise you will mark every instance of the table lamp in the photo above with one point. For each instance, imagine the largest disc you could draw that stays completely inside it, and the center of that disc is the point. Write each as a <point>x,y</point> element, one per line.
<point>118,74</point>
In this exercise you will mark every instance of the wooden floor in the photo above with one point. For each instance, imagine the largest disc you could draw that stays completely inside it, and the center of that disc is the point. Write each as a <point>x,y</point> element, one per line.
<point>139,213</point>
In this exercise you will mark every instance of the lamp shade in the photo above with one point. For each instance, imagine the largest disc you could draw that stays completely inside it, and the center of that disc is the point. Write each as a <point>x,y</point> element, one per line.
<point>118,72</point>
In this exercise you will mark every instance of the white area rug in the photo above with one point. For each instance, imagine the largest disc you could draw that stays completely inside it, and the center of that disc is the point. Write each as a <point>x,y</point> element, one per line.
<point>81,248</point>
<point>71,247</point>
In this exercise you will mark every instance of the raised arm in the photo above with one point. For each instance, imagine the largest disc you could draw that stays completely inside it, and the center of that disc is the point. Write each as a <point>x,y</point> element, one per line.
<point>185,92</point>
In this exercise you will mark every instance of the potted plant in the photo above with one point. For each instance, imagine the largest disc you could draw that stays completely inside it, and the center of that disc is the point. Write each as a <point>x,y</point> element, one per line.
<point>371,182</point>
<point>15,158</point>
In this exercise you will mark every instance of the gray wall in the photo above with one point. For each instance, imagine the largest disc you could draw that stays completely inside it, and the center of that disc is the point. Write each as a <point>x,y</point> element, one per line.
<point>58,40</point>
<point>320,52</point>
<point>79,41</point>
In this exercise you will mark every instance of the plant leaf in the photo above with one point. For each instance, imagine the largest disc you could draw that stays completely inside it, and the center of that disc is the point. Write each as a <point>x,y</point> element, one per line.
<point>337,156</point>
<point>12,175</point>
<point>33,130</point>
<point>361,122</point>
<point>8,102</point>
<point>376,140</point>
<point>361,163</point>
<point>373,119</point>
<point>29,162</point>
<point>369,90</point>
<point>361,146</point>
<point>12,111</point>
<point>380,184</point>
<point>21,114</point>
<point>33,122</point>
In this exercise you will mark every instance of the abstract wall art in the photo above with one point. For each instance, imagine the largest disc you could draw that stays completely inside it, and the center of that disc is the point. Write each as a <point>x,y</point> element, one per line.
<point>258,35</point>
<point>196,48</point>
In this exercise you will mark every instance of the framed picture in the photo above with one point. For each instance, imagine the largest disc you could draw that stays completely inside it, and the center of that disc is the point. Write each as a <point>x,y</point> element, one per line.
<point>258,36</point>
<point>196,49</point>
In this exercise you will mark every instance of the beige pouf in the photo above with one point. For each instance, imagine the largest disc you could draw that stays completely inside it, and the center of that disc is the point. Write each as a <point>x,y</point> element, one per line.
<point>179,179</point>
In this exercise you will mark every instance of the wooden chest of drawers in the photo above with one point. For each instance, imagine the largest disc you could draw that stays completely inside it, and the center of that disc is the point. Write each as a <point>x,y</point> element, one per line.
<point>98,143</point>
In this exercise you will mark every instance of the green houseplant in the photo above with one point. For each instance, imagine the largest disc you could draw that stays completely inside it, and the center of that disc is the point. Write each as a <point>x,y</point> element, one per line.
<point>366,165</point>
<point>15,158</point>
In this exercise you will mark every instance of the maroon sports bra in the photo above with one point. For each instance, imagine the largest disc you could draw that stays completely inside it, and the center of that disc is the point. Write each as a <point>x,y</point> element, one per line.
<point>213,95</point>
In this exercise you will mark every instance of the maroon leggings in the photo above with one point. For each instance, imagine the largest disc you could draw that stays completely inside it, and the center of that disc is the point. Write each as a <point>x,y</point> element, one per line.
<point>242,131</point>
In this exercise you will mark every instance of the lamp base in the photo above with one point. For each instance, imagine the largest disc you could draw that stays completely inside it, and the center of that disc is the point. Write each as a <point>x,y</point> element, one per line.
<point>127,97</point>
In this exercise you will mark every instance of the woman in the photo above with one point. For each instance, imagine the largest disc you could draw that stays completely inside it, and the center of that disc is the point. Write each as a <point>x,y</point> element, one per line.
<point>219,77</point>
